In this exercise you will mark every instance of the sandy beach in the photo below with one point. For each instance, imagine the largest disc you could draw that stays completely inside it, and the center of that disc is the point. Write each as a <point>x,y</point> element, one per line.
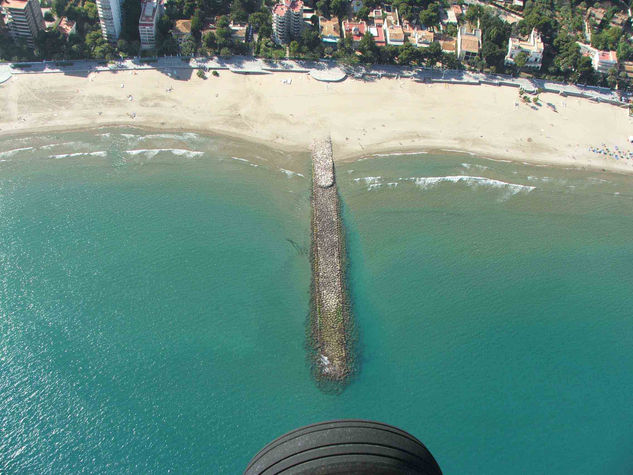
<point>363,118</point>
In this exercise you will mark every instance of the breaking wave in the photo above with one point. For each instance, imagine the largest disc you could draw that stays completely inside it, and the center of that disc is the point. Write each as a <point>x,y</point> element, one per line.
<point>290,173</point>
<point>10,153</point>
<point>101,153</point>
<point>239,159</point>
<point>426,182</point>
<point>152,152</point>
<point>372,182</point>
<point>53,145</point>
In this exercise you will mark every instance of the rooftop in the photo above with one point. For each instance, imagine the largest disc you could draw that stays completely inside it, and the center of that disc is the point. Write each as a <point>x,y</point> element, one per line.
<point>531,43</point>
<point>378,33</point>
<point>329,27</point>
<point>16,4</point>
<point>425,36</point>
<point>65,26</point>
<point>607,56</point>
<point>148,11</point>
<point>280,9</point>
<point>470,44</point>
<point>395,32</point>
<point>355,29</point>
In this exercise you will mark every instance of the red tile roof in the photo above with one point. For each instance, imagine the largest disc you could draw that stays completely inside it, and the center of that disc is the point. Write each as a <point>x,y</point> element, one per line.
<point>355,29</point>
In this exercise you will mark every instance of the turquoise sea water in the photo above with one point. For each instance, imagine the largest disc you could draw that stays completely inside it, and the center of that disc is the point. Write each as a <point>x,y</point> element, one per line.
<point>154,294</point>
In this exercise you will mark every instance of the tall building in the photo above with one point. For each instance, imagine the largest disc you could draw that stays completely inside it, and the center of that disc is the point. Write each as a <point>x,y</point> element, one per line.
<point>24,19</point>
<point>110,19</point>
<point>150,13</point>
<point>287,21</point>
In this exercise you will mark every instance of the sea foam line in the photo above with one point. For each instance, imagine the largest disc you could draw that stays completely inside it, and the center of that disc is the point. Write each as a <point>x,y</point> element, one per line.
<point>183,136</point>
<point>100,153</point>
<point>152,152</point>
<point>426,182</point>
<point>53,145</point>
<point>372,182</point>
<point>9,153</point>
<point>240,159</point>
<point>452,150</point>
<point>290,173</point>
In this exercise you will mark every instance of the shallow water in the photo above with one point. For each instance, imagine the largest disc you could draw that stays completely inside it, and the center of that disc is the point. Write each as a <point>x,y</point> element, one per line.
<point>154,290</point>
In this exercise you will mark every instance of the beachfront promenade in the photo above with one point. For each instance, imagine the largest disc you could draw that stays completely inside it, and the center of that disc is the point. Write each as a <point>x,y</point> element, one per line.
<point>327,71</point>
<point>330,324</point>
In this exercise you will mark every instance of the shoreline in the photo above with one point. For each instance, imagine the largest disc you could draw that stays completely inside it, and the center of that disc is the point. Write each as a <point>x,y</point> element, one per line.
<point>481,120</point>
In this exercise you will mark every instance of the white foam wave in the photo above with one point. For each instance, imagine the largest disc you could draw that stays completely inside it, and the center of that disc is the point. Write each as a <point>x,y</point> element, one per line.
<point>290,173</point>
<point>450,150</point>
<point>240,159</point>
<point>152,152</point>
<point>396,154</point>
<point>100,153</point>
<point>53,145</point>
<point>370,180</point>
<point>426,182</point>
<point>468,166</point>
<point>10,153</point>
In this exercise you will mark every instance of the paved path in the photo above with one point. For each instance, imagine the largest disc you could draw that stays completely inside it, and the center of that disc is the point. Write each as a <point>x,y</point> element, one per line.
<point>328,71</point>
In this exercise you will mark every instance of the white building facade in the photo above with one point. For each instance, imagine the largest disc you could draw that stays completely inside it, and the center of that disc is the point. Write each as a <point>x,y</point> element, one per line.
<point>533,48</point>
<point>110,19</point>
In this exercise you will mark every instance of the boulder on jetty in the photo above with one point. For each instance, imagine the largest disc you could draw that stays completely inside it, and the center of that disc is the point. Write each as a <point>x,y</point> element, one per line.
<point>330,325</point>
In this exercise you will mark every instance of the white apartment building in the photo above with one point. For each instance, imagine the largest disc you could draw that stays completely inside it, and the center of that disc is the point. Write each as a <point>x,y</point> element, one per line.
<point>150,13</point>
<point>533,47</point>
<point>602,61</point>
<point>23,18</point>
<point>110,19</point>
<point>468,42</point>
<point>287,21</point>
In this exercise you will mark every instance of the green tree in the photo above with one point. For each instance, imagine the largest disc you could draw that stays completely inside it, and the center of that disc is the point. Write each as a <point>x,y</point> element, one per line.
<point>188,46</point>
<point>197,23</point>
<point>339,8</point>
<point>209,40</point>
<point>585,72</point>
<point>259,19</point>
<point>363,13</point>
<point>90,12</point>
<point>431,16</point>
<point>520,59</point>
<point>433,53</point>
<point>59,7</point>
<point>367,47</point>
<point>323,7</point>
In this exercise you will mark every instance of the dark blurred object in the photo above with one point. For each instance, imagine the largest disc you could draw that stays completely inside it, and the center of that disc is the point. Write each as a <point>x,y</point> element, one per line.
<point>344,447</point>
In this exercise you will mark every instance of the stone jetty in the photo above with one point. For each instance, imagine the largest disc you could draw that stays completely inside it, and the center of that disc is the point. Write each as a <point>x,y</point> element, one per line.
<point>330,319</point>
